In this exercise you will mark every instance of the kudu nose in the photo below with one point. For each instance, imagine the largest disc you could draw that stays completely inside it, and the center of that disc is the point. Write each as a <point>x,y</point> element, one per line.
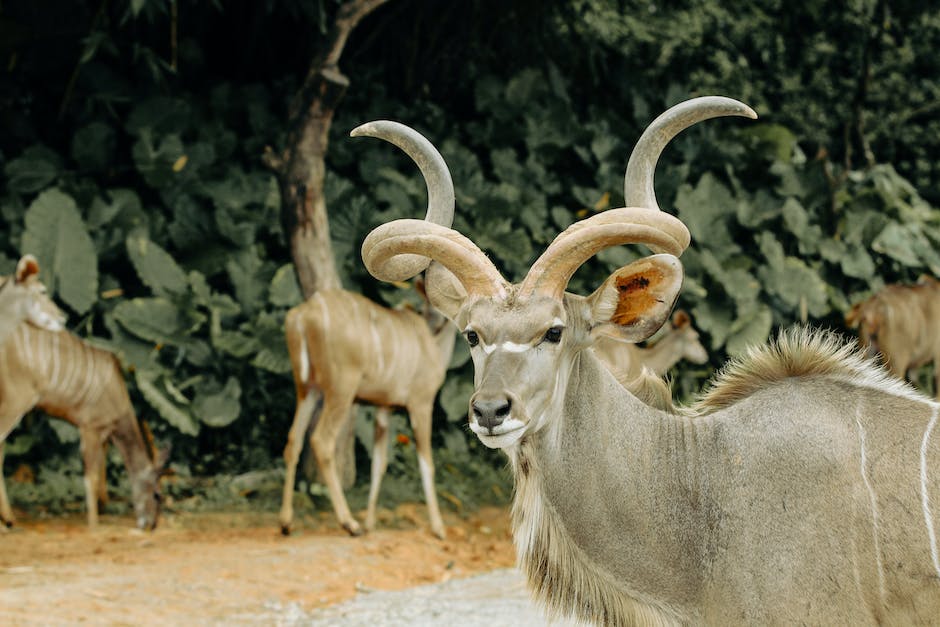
<point>491,412</point>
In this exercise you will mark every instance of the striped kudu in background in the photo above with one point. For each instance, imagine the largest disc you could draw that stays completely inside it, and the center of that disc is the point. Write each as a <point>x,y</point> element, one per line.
<point>626,361</point>
<point>42,366</point>
<point>346,348</point>
<point>803,488</point>
<point>901,323</point>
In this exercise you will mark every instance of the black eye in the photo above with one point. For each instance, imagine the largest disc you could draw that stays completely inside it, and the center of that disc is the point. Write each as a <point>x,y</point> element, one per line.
<point>553,335</point>
<point>472,338</point>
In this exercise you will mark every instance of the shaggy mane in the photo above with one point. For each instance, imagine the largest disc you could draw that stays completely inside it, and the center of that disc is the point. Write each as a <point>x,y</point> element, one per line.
<point>799,352</point>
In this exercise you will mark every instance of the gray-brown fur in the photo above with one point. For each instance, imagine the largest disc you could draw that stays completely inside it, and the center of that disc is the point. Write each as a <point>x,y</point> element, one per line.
<point>900,323</point>
<point>803,491</point>
<point>347,348</point>
<point>730,516</point>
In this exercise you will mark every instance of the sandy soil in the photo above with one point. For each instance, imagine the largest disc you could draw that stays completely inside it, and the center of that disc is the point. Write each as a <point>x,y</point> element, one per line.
<point>229,568</point>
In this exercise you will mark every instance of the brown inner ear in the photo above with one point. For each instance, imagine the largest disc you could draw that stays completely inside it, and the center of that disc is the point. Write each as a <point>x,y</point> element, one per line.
<point>27,267</point>
<point>634,295</point>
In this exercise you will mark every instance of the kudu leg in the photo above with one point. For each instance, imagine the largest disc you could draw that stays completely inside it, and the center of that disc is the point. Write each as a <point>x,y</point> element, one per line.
<point>335,412</point>
<point>6,512</point>
<point>379,462</point>
<point>421,425</point>
<point>92,447</point>
<point>10,416</point>
<point>103,477</point>
<point>936,380</point>
<point>295,442</point>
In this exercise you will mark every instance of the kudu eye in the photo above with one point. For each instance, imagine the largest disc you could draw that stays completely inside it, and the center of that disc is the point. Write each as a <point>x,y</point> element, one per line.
<point>553,335</point>
<point>472,338</point>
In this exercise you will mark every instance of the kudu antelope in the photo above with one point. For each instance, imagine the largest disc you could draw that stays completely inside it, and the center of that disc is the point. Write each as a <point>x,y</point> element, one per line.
<point>43,366</point>
<point>347,348</point>
<point>900,322</point>
<point>627,361</point>
<point>801,489</point>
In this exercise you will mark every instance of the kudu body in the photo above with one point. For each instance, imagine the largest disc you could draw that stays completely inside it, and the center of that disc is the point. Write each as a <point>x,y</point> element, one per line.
<point>43,366</point>
<point>626,361</point>
<point>348,348</point>
<point>802,489</point>
<point>900,322</point>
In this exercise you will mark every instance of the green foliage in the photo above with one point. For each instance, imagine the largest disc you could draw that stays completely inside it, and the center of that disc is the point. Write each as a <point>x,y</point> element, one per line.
<point>56,234</point>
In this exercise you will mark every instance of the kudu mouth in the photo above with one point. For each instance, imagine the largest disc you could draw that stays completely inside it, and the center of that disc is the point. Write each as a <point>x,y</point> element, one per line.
<point>498,420</point>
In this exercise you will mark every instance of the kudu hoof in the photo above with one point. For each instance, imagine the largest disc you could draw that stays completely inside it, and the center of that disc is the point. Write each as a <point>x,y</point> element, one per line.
<point>353,529</point>
<point>285,529</point>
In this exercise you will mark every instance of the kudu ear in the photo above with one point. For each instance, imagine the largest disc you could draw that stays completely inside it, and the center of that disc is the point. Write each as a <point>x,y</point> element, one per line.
<point>636,300</point>
<point>681,319</point>
<point>853,317</point>
<point>27,267</point>
<point>443,290</point>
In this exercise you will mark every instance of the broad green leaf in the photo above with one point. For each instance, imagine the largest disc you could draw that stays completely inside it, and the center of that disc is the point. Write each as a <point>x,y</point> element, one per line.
<point>273,360</point>
<point>155,319</point>
<point>93,147</point>
<point>749,332</point>
<point>219,407</point>
<point>856,262</point>
<point>104,211</point>
<point>455,397</point>
<point>284,290</point>
<point>168,410</point>
<point>155,162</point>
<point>706,209</point>
<point>714,319</point>
<point>795,218</point>
<point>235,343</point>
<point>898,242</point>
<point>763,206</point>
<point>56,235</point>
<point>155,267</point>
<point>37,168</point>
<point>65,431</point>
<point>250,275</point>
<point>797,285</point>
<point>460,356</point>
<point>780,140</point>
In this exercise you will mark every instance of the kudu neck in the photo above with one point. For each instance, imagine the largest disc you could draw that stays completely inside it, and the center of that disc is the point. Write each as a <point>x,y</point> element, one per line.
<point>617,476</point>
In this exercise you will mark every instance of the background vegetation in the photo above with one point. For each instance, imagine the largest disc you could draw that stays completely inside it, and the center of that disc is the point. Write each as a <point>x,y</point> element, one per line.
<point>131,143</point>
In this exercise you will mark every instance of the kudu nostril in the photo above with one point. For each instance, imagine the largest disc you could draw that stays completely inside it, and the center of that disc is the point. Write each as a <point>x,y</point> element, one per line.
<point>491,412</point>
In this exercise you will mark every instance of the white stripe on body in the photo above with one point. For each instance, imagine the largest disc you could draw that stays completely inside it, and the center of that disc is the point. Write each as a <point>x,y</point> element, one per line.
<point>54,360</point>
<point>874,506</point>
<point>924,493</point>
<point>304,353</point>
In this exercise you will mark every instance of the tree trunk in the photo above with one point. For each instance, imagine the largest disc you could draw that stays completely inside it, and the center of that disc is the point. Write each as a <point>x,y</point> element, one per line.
<point>300,169</point>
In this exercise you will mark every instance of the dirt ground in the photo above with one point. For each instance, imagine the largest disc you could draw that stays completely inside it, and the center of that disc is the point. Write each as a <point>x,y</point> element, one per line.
<point>225,568</point>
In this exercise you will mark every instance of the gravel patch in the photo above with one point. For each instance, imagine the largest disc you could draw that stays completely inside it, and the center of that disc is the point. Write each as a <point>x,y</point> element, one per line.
<point>495,599</point>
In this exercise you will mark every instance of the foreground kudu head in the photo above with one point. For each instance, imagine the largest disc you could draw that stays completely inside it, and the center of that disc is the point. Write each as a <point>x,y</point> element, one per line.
<point>23,297</point>
<point>525,338</point>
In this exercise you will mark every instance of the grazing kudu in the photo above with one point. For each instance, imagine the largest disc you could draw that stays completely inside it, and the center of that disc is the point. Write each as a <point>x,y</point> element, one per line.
<point>803,488</point>
<point>902,323</point>
<point>627,361</point>
<point>43,366</point>
<point>347,348</point>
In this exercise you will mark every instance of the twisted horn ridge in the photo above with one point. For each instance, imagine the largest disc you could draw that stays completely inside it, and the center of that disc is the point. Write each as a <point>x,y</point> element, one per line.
<point>436,177</point>
<point>386,243</point>
<point>662,232</point>
<point>638,180</point>
<point>641,222</point>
